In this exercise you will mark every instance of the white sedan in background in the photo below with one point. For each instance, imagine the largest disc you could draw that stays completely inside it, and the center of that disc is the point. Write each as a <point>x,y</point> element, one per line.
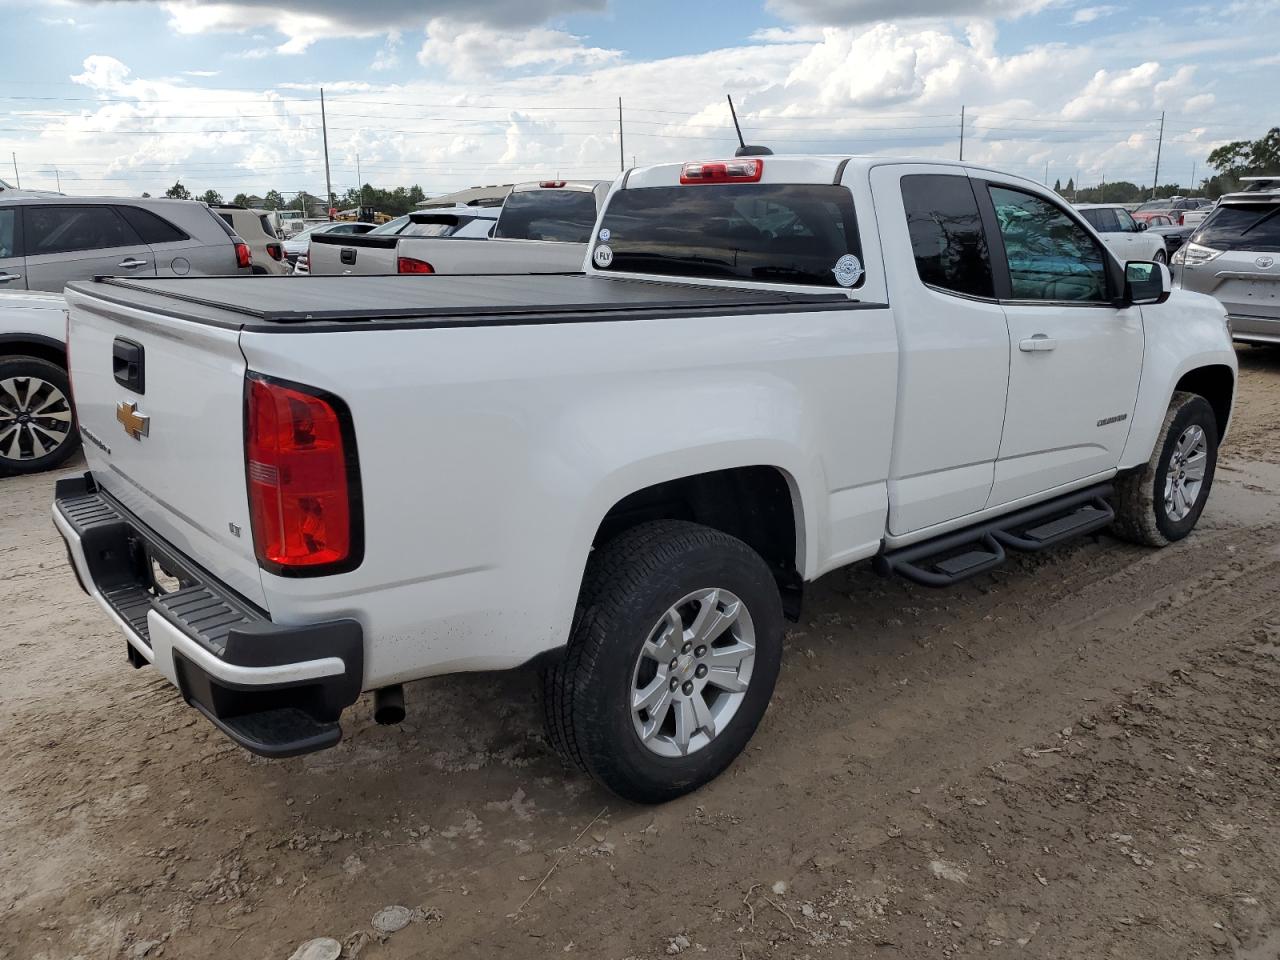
<point>1125,237</point>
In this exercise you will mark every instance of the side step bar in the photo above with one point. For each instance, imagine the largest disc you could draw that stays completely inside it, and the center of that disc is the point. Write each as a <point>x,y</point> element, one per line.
<point>966,553</point>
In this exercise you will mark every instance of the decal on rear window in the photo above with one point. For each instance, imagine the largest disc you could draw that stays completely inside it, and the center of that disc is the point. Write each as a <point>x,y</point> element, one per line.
<point>848,270</point>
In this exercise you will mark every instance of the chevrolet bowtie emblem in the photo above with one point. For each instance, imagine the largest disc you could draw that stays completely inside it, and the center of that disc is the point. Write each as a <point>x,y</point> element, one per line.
<point>136,425</point>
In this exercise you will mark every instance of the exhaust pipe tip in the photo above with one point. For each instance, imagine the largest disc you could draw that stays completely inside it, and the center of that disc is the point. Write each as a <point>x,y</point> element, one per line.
<point>388,705</point>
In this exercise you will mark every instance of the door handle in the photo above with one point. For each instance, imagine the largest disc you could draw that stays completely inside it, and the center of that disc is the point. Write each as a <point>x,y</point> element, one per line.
<point>1040,343</point>
<point>6,277</point>
<point>129,263</point>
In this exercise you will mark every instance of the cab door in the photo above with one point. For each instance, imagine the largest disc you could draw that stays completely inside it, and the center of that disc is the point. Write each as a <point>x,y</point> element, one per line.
<point>953,344</point>
<point>1075,357</point>
<point>71,241</point>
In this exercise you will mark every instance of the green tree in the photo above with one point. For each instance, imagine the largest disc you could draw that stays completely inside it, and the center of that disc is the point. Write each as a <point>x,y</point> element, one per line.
<point>212,197</point>
<point>145,194</point>
<point>273,200</point>
<point>240,199</point>
<point>1057,186</point>
<point>1244,158</point>
<point>178,192</point>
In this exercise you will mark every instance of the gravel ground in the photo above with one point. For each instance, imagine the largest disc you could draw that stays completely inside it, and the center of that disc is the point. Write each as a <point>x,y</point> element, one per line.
<point>1074,756</point>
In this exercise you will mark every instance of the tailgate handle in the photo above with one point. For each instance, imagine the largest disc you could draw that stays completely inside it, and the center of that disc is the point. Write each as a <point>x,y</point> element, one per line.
<point>127,365</point>
<point>348,255</point>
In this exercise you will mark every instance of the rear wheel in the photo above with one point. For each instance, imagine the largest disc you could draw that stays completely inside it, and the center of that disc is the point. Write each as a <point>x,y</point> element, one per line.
<point>37,424</point>
<point>671,663</point>
<point>1162,502</point>
<point>1161,257</point>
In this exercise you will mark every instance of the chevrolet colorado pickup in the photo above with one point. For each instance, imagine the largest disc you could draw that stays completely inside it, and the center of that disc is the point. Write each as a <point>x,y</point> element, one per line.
<point>543,228</point>
<point>770,367</point>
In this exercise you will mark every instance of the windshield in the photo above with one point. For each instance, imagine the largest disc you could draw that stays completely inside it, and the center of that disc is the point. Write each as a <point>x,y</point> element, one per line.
<point>563,216</point>
<point>780,233</point>
<point>1242,226</point>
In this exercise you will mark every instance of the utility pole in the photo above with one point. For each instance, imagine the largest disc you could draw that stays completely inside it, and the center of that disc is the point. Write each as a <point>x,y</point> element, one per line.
<point>962,131</point>
<point>1046,173</point>
<point>1193,176</point>
<point>360,182</point>
<point>328,184</point>
<point>17,179</point>
<point>1159,145</point>
<point>622,156</point>
<point>57,176</point>
<point>1102,188</point>
<point>1075,187</point>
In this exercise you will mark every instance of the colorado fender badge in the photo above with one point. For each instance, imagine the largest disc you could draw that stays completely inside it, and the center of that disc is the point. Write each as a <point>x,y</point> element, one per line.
<point>848,270</point>
<point>603,255</point>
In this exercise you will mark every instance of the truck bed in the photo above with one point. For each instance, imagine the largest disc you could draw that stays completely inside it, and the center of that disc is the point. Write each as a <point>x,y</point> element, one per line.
<point>280,304</point>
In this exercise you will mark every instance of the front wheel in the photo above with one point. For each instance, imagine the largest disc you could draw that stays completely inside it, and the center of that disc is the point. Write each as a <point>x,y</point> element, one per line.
<point>1161,502</point>
<point>671,662</point>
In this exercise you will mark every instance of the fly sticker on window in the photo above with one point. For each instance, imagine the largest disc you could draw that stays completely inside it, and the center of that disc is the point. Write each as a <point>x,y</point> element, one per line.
<point>848,270</point>
<point>603,255</point>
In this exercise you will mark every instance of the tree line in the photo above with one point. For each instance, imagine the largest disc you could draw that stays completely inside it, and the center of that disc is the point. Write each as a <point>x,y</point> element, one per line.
<point>394,202</point>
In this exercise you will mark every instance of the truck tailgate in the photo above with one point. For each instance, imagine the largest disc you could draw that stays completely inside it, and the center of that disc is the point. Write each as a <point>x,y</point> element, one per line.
<point>161,408</point>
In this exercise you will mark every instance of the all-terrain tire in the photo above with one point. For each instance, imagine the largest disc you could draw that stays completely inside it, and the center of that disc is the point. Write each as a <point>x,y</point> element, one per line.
<point>1142,515</point>
<point>34,381</point>
<point>630,583</point>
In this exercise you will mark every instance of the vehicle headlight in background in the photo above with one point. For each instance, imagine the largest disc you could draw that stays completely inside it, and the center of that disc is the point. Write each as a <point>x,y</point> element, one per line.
<point>1193,254</point>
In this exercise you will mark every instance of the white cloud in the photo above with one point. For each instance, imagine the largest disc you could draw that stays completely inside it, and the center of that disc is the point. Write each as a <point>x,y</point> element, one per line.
<point>1090,14</point>
<point>474,51</point>
<point>841,12</point>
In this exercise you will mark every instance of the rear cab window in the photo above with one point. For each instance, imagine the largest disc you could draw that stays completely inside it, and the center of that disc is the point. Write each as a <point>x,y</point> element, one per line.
<point>947,237</point>
<point>1242,226</point>
<point>768,233</point>
<point>558,215</point>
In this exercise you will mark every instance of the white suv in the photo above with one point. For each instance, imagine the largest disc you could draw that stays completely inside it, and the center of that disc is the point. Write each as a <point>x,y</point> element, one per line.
<point>1125,237</point>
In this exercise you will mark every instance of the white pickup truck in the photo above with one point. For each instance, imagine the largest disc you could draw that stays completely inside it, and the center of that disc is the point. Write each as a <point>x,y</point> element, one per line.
<point>772,367</point>
<point>544,227</point>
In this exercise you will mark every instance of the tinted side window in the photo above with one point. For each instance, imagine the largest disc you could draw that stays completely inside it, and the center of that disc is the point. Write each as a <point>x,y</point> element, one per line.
<point>1104,221</point>
<point>1050,257</point>
<point>64,229</point>
<point>151,228</point>
<point>8,233</point>
<point>1127,224</point>
<point>946,234</point>
<point>226,218</point>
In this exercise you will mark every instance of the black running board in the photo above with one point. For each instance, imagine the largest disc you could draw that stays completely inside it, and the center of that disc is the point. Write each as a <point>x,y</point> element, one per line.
<point>957,556</point>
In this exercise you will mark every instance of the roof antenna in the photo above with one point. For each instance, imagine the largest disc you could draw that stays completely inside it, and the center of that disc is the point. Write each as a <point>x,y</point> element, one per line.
<point>745,149</point>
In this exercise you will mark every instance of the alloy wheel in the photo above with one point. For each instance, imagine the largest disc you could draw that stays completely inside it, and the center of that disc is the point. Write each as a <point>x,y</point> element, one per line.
<point>35,418</point>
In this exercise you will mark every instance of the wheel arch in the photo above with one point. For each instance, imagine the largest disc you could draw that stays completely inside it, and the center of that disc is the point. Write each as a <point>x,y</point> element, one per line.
<point>33,345</point>
<point>1217,384</point>
<point>759,504</point>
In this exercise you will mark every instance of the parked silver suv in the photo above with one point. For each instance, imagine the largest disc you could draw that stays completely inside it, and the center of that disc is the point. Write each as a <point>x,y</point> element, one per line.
<point>48,241</point>
<point>1235,256</point>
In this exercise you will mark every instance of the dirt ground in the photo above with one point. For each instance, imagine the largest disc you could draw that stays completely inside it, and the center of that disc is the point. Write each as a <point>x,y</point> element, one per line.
<point>1076,756</point>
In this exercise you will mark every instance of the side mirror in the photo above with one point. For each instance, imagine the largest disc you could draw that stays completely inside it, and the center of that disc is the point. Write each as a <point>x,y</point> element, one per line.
<point>1142,225</point>
<point>1146,282</point>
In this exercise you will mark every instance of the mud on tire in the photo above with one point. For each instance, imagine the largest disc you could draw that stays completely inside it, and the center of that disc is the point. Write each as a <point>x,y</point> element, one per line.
<point>632,586</point>
<point>1142,514</point>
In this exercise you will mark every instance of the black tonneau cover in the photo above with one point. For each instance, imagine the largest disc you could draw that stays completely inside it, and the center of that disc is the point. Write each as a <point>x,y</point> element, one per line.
<point>285,304</point>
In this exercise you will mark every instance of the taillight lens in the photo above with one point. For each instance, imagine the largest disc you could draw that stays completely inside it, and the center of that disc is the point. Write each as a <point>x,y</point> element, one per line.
<point>303,479</point>
<point>413,265</point>
<point>740,170</point>
<point>275,251</point>
<point>1182,219</point>
<point>244,258</point>
<point>551,184</point>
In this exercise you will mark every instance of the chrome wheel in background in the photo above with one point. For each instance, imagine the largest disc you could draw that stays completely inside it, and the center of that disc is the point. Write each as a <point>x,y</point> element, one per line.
<point>35,419</point>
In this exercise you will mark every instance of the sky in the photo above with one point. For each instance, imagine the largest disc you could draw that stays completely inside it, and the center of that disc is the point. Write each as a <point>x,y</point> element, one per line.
<point>124,96</point>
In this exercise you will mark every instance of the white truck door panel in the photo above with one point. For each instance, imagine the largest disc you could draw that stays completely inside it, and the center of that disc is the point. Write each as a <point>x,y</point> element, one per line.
<point>953,347</point>
<point>1075,360</point>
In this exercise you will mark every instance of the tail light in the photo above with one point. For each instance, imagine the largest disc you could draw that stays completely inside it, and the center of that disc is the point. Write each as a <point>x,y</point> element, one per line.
<point>275,251</point>
<point>244,258</point>
<point>1182,219</point>
<point>551,183</point>
<point>741,170</point>
<point>303,479</point>
<point>413,265</point>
